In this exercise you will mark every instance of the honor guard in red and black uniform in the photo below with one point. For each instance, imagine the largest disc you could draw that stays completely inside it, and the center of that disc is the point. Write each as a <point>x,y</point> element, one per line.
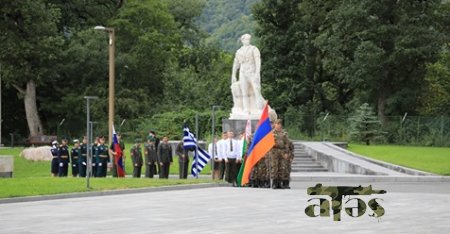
<point>102,157</point>
<point>75,157</point>
<point>63,158</point>
<point>54,164</point>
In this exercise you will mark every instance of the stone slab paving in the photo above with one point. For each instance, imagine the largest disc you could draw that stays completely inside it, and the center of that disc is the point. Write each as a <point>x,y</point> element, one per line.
<point>410,208</point>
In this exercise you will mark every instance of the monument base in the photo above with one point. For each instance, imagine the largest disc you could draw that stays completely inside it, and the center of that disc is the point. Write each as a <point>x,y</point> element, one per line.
<point>237,126</point>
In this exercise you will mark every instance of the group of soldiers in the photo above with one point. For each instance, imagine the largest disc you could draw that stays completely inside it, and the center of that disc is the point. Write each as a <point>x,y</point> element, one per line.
<point>77,158</point>
<point>271,171</point>
<point>157,157</point>
<point>275,166</point>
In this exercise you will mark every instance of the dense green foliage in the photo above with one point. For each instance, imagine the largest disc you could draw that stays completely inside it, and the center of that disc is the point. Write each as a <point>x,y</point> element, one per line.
<point>226,21</point>
<point>174,59</point>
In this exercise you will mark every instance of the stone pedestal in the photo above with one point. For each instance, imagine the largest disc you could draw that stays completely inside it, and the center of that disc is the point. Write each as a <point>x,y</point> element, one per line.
<point>237,126</point>
<point>6,166</point>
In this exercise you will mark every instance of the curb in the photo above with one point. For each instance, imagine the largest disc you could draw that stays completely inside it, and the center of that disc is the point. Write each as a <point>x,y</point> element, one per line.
<point>111,192</point>
<point>358,178</point>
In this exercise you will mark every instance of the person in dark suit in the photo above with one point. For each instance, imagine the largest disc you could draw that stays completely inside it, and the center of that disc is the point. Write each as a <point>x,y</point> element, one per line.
<point>164,158</point>
<point>183,160</point>
<point>136,158</point>
<point>150,157</point>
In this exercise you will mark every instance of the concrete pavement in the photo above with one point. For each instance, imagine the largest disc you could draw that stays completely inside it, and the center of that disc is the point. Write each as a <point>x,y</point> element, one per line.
<point>410,208</point>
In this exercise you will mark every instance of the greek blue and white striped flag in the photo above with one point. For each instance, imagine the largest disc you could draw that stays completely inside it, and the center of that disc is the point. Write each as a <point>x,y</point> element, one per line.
<point>201,157</point>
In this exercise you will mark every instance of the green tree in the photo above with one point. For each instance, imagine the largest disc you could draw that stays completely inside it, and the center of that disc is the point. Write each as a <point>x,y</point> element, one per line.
<point>365,125</point>
<point>30,47</point>
<point>436,98</point>
<point>291,61</point>
<point>381,48</point>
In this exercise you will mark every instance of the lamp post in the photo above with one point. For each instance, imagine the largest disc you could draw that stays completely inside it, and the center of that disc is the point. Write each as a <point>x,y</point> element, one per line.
<point>1,120</point>
<point>213,132</point>
<point>111,97</point>
<point>89,140</point>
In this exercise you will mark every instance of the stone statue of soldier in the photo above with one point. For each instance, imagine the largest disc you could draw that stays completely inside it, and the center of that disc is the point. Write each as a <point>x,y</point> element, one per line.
<point>246,91</point>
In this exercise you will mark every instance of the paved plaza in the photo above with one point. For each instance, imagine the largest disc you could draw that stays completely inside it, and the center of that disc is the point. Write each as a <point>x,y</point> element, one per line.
<point>410,208</point>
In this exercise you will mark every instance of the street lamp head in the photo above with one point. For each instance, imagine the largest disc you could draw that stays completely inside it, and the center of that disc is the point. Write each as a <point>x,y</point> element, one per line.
<point>90,97</point>
<point>99,27</point>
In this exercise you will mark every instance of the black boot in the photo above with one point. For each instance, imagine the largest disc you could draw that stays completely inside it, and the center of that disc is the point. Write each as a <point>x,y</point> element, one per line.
<point>286,184</point>
<point>274,184</point>
<point>279,184</point>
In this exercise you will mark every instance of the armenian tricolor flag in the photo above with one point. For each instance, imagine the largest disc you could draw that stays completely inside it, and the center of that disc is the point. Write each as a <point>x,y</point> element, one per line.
<point>262,142</point>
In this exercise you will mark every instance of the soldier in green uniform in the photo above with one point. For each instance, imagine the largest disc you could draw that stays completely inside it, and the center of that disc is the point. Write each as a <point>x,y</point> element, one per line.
<point>94,157</point>
<point>136,158</point>
<point>102,157</point>
<point>279,151</point>
<point>150,157</point>
<point>183,160</point>
<point>83,158</point>
<point>164,158</point>
<point>75,157</point>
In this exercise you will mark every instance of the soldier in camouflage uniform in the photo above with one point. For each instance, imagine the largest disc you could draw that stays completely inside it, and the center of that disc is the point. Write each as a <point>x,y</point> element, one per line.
<point>279,152</point>
<point>285,165</point>
<point>261,173</point>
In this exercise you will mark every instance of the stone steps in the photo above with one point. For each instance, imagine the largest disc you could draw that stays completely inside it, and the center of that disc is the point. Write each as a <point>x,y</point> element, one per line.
<point>303,162</point>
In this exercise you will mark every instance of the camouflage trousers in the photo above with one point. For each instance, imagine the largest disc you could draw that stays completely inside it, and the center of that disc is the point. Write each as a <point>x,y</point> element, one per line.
<point>261,169</point>
<point>279,166</point>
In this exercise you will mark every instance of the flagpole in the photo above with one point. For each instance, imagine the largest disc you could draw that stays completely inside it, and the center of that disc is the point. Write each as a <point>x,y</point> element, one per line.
<point>196,143</point>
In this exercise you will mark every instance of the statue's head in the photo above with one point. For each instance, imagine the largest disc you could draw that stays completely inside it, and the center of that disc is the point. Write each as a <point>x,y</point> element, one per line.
<point>245,39</point>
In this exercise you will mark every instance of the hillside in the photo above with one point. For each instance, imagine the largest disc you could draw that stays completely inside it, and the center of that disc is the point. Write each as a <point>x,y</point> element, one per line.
<point>226,20</point>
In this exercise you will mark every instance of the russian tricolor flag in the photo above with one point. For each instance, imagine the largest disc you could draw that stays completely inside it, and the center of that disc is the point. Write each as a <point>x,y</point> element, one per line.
<point>118,158</point>
<point>262,142</point>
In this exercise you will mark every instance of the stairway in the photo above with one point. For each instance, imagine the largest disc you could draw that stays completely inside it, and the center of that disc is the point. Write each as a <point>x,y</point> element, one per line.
<point>303,162</point>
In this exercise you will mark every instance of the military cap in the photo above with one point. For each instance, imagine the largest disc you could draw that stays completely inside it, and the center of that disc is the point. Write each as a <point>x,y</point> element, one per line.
<point>76,141</point>
<point>55,142</point>
<point>272,115</point>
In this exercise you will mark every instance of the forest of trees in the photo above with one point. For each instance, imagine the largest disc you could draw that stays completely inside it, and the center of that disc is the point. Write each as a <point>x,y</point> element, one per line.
<point>174,57</point>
